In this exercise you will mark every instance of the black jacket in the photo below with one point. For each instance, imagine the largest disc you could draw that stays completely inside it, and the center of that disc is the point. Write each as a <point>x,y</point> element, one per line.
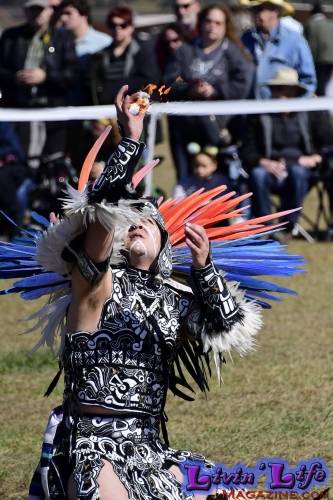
<point>140,68</point>
<point>315,129</point>
<point>59,62</point>
<point>227,70</point>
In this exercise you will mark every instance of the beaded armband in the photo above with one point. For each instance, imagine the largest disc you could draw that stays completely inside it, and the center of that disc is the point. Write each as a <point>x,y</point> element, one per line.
<point>90,270</point>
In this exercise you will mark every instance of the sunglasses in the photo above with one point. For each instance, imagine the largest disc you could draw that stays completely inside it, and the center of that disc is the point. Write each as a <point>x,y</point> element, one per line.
<point>184,6</point>
<point>121,26</point>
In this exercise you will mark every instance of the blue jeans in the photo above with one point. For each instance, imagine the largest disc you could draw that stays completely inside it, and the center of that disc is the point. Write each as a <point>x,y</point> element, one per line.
<point>23,195</point>
<point>292,190</point>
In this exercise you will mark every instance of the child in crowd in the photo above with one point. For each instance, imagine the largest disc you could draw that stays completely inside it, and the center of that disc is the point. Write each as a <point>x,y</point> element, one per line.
<point>205,172</point>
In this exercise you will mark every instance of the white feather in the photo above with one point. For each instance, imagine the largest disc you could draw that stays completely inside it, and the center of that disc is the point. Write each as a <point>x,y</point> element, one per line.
<point>74,200</point>
<point>51,318</point>
<point>53,241</point>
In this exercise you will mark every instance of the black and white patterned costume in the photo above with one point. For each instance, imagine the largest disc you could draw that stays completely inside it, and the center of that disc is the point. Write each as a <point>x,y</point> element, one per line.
<point>124,366</point>
<point>147,325</point>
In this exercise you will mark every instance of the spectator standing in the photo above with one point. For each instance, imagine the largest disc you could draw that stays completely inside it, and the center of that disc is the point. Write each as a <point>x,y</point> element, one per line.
<point>75,17</point>
<point>37,67</point>
<point>170,39</point>
<point>187,13</point>
<point>319,32</point>
<point>215,67</point>
<point>274,45</point>
<point>126,61</point>
<point>283,150</point>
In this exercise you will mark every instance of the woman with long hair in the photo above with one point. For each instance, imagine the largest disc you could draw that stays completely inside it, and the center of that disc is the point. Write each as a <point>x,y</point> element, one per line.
<point>170,39</point>
<point>217,67</point>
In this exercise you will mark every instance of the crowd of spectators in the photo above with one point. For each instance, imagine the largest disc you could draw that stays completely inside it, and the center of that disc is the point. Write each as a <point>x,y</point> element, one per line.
<point>58,57</point>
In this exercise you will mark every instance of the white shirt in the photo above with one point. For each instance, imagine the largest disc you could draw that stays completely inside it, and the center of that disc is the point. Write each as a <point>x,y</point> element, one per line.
<point>93,41</point>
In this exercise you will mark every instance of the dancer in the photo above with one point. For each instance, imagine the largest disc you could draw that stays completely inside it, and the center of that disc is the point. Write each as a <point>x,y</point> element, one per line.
<point>129,324</point>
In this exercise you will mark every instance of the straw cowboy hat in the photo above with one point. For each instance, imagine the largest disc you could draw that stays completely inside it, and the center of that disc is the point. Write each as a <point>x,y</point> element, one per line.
<point>285,7</point>
<point>287,77</point>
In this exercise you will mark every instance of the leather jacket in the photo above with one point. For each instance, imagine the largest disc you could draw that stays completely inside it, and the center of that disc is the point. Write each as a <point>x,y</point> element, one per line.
<point>59,62</point>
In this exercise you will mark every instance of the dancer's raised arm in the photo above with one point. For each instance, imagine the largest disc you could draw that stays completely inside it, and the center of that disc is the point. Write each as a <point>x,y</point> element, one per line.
<point>91,276</point>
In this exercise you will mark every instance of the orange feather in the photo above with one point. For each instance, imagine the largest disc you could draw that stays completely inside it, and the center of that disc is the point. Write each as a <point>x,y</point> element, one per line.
<point>90,158</point>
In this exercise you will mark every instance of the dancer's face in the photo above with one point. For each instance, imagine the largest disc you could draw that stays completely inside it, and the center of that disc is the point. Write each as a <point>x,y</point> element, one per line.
<point>143,241</point>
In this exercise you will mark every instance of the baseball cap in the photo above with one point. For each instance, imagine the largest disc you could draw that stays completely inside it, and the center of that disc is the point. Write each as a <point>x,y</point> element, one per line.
<point>36,3</point>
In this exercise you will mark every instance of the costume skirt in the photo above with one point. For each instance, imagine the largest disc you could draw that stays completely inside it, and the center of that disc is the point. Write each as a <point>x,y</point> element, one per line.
<point>130,443</point>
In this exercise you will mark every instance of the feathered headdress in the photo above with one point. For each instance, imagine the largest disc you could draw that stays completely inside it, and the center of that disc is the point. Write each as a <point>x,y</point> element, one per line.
<point>237,251</point>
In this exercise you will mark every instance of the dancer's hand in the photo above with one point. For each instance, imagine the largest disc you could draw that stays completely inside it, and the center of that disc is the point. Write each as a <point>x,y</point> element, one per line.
<point>197,241</point>
<point>132,124</point>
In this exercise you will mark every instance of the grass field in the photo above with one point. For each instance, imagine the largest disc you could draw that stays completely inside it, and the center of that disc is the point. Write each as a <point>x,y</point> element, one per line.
<point>276,402</point>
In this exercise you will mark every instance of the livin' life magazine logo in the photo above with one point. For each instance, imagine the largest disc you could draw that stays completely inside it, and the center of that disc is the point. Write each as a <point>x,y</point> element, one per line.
<point>279,477</point>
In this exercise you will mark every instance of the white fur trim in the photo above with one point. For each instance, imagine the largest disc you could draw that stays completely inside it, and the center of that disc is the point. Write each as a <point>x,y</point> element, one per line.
<point>50,245</point>
<point>53,241</point>
<point>241,337</point>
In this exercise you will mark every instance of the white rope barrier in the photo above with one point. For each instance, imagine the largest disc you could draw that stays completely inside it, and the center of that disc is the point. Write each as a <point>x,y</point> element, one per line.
<point>188,108</point>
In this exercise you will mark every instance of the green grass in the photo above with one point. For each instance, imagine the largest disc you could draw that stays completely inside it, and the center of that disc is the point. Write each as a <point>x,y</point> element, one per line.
<point>276,402</point>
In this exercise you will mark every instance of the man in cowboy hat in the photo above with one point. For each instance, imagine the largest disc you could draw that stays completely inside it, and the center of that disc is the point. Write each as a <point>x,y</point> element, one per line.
<point>283,150</point>
<point>274,45</point>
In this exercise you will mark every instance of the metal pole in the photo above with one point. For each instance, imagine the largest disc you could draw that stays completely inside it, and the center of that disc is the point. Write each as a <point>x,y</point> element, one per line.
<point>151,133</point>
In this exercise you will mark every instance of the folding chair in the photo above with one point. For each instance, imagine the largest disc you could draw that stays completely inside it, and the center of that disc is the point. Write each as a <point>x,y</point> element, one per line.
<point>322,179</point>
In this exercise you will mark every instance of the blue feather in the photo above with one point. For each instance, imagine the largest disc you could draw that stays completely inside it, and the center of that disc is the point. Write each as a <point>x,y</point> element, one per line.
<point>8,291</point>
<point>13,223</point>
<point>261,303</point>
<point>39,292</point>
<point>264,295</point>
<point>18,273</point>
<point>256,284</point>
<point>18,262</point>
<point>8,249</point>
<point>40,280</point>
<point>40,219</point>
